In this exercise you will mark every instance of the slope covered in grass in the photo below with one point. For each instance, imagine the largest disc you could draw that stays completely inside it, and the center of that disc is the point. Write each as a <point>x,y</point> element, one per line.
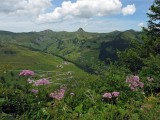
<point>81,47</point>
<point>16,58</point>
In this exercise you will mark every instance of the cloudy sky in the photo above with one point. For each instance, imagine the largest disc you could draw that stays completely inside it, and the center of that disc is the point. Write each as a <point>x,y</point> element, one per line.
<point>69,15</point>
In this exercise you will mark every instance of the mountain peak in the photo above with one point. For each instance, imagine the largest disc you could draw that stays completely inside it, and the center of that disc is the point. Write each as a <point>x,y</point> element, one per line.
<point>80,30</point>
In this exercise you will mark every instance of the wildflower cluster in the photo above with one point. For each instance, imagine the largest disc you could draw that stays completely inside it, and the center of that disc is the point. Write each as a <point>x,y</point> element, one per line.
<point>59,94</point>
<point>39,82</point>
<point>26,73</point>
<point>134,82</point>
<point>43,81</point>
<point>111,95</point>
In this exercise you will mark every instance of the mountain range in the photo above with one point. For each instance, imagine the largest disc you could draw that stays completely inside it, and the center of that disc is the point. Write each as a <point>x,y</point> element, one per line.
<point>80,47</point>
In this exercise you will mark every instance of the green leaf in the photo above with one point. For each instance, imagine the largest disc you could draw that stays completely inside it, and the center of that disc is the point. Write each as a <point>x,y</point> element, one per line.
<point>79,108</point>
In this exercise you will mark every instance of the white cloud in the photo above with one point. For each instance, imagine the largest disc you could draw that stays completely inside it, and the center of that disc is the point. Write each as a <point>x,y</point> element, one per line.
<point>82,9</point>
<point>21,7</point>
<point>141,24</point>
<point>129,10</point>
<point>22,15</point>
<point>37,9</point>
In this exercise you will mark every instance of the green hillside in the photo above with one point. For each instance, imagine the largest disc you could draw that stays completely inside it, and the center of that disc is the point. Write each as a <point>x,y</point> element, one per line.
<point>16,58</point>
<point>80,47</point>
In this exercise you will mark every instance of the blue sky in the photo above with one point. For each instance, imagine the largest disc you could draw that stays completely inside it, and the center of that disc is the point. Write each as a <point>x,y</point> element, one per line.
<point>59,15</point>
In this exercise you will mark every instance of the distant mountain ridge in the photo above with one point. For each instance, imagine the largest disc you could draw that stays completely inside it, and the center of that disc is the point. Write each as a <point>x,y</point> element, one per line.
<point>81,47</point>
<point>49,30</point>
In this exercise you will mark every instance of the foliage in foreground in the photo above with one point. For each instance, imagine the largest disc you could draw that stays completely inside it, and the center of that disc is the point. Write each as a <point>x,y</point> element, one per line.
<point>105,97</point>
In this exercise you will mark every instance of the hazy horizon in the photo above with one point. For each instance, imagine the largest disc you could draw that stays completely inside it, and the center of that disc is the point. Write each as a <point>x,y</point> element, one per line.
<point>72,31</point>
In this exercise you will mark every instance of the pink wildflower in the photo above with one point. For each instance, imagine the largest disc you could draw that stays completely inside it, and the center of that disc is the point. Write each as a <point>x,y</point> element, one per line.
<point>43,81</point>
<point>107,95</point>
<point>136,78</point>
<point>134,82</point>
<point>59,94</point>
<point>132,79</point>
<point>26,73</point>
<point>115,94</point>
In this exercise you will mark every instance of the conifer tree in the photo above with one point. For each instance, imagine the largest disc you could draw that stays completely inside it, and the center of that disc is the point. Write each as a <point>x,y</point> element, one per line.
<point>153,30</point>
<point>154,19</point>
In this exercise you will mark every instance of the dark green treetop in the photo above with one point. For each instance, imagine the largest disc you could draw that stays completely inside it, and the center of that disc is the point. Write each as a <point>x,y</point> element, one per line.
<point>154,18</point>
